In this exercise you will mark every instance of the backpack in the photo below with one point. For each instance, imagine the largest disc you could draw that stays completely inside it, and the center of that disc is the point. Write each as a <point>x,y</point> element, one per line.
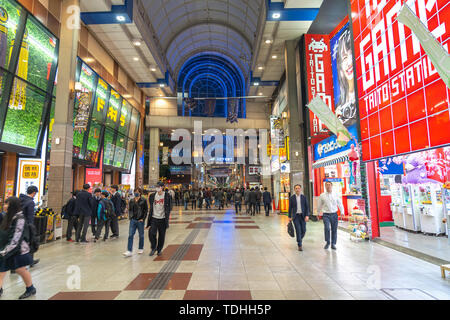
<point>108,209</point>
<point>31,237</point>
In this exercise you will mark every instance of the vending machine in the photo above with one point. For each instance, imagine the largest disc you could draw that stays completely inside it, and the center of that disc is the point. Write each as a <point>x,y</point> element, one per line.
<point>446,210</point>
<point>411,208</point>
<point>431,209</point>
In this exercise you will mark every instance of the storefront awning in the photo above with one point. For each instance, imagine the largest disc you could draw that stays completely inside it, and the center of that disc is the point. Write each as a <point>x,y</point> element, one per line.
<point>336,158</point>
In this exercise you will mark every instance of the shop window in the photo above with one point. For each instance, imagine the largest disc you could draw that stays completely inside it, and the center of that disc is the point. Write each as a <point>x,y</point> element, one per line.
<point>108,147</point>
<point>93,143</point>
<point>119,154</point>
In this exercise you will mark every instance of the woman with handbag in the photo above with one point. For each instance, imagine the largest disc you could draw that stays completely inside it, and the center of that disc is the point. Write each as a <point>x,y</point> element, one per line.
<point>14,249</point>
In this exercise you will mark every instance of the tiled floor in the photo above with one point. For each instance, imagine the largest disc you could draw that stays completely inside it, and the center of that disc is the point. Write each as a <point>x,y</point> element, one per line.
<point>218,255</point>
<point>435,246</point>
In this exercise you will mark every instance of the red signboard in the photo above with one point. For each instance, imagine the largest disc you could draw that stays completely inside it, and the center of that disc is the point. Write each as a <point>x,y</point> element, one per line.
<point>403,103</point>
<point>319,75</point>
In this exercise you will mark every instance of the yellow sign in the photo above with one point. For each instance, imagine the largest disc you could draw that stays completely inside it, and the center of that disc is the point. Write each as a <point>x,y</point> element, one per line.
<point>284,202</point>
<point>30,171</point>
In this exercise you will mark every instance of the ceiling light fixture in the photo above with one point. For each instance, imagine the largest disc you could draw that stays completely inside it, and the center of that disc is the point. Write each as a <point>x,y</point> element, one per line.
<point>268,41</point>
<point>120,18</point>
<point>260,68</point>
<point>256,83</point>
<point>136,59</point>
<point>276,15</point>
<point>137,43</point>
<point>260,93</point>
<point>161,85</point>
<point>274,56</point>
<point>152,69</point>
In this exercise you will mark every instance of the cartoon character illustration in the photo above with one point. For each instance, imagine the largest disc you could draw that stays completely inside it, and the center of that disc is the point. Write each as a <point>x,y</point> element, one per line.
<point>318,46</point>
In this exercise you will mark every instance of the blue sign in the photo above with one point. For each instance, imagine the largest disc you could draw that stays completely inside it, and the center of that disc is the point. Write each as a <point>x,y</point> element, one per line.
<point>329,146</point>
<point>332,180</point>
<point>387,166</point>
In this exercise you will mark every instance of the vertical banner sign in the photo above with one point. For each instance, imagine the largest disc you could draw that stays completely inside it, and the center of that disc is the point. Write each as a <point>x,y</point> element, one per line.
<point>319,75</point>
<point>403,102</point>
<point>165,156</point>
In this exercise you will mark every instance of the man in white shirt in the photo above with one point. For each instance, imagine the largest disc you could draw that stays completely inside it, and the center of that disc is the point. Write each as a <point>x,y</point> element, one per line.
<point>328,204</point>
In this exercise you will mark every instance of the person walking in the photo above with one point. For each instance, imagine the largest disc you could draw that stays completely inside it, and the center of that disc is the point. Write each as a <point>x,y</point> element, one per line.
<point>71,216</point>
<point>258,200</point>
<point>137,214</point>
<point>186,197</point>
<point>83,208</point>
<point>194,196</point>
<point>246,200</point>
<point>252,198</point>
<point>200,198</point>
<point>208,198</point>
<point>95,202</point>
<point>172,194</point>
<point>117,201</point>
<point>14,250</point>
<point>220,198</point>
<point>267,200</point>
<point>177,197</point>
<point>238,201</point>
<point>27,203</point>
<point>328,204</point>
<point>158,218</point>
<point>105,211</point>
<point>299,214</point>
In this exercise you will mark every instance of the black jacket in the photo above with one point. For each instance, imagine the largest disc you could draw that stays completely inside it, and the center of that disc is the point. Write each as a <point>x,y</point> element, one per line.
<point>117,201</point>
<point>167,207</point>
<point>138,210</point>
<point>27,207</point>
<point>293,206</point>
<point>70,207</point>
<point>267,198</point>
<point>83,204</point>
<point>252,197</point>
<point>95,204</point>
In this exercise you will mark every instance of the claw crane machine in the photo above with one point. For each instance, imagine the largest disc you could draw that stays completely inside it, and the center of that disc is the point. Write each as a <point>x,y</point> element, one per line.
<point>411,207</point>
<point>446,208</point>
<point>431,209</point>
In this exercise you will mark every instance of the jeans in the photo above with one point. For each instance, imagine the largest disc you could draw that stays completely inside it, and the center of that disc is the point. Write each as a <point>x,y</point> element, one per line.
<point>157,226</point>
<point>193,204</point>
<point>258,207</point>
<point>71,226</point>
<point>135,224</point>
<point>186,202</point>
<point>300,228</point>
<point>100,225</point>
<point>330,219</point>
<point>267,207</point>
<point>83,225</point>
<point>236,206</point>
<point>208,203</point>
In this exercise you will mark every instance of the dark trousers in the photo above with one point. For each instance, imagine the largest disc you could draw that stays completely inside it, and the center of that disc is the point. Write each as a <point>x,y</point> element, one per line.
<point>71,226</point>
<point>158,226</point>
<point>200,203</point>
<point>258,207</point>
<point>135,224</point>
<point>208,203</point>
<point>83,225</point>
<point>221,204</point>
<point>330,219</point>
<point>94,224</point>
<point>100,225</point>
<point>267,207</point>
<point>252,208</point>
<point>300,228</point>
<point>237,205</point>
<point>193,204</point>
<point>114,224</point>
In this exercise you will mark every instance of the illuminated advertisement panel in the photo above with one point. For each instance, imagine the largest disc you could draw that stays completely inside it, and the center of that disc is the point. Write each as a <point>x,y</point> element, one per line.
<point>403,103</point>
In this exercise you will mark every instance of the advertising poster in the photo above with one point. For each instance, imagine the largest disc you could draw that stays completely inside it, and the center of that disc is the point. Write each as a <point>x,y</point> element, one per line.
<point>343,80</point>
<point>403,102</point>
<point>31,173</point>
<point>9,189</point>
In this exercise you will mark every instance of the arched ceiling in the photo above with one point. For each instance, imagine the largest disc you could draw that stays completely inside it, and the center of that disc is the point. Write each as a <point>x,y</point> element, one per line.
<point>184,28</point>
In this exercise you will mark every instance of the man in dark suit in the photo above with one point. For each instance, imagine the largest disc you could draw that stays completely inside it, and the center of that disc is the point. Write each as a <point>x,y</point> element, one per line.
<point>267,199</point>
<point>83,208</point>
<point>299,214</point>
<point>117,202</point>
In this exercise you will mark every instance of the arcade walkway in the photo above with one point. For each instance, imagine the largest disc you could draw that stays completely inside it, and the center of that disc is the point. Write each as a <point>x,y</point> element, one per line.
<point>218,255</point>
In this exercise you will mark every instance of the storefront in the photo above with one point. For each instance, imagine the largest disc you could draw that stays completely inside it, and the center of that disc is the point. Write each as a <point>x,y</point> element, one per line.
<point>405,119</point>
<point>106,127</point>
<point>28,62</point>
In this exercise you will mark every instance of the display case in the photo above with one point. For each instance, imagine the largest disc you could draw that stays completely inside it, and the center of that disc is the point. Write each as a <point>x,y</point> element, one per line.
<point>431,208</point>
<point>397,205</point>
<point>411,206</point>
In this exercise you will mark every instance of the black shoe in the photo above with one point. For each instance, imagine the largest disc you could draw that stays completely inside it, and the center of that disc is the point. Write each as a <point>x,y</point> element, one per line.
<point>326,246</point>
<point>333,247</point>
<point>159,253</point>
<point>84,241</point>
<point>28,294</point>
<point>152,252</point>
<point>114,236</point>
<point>35,262</point>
